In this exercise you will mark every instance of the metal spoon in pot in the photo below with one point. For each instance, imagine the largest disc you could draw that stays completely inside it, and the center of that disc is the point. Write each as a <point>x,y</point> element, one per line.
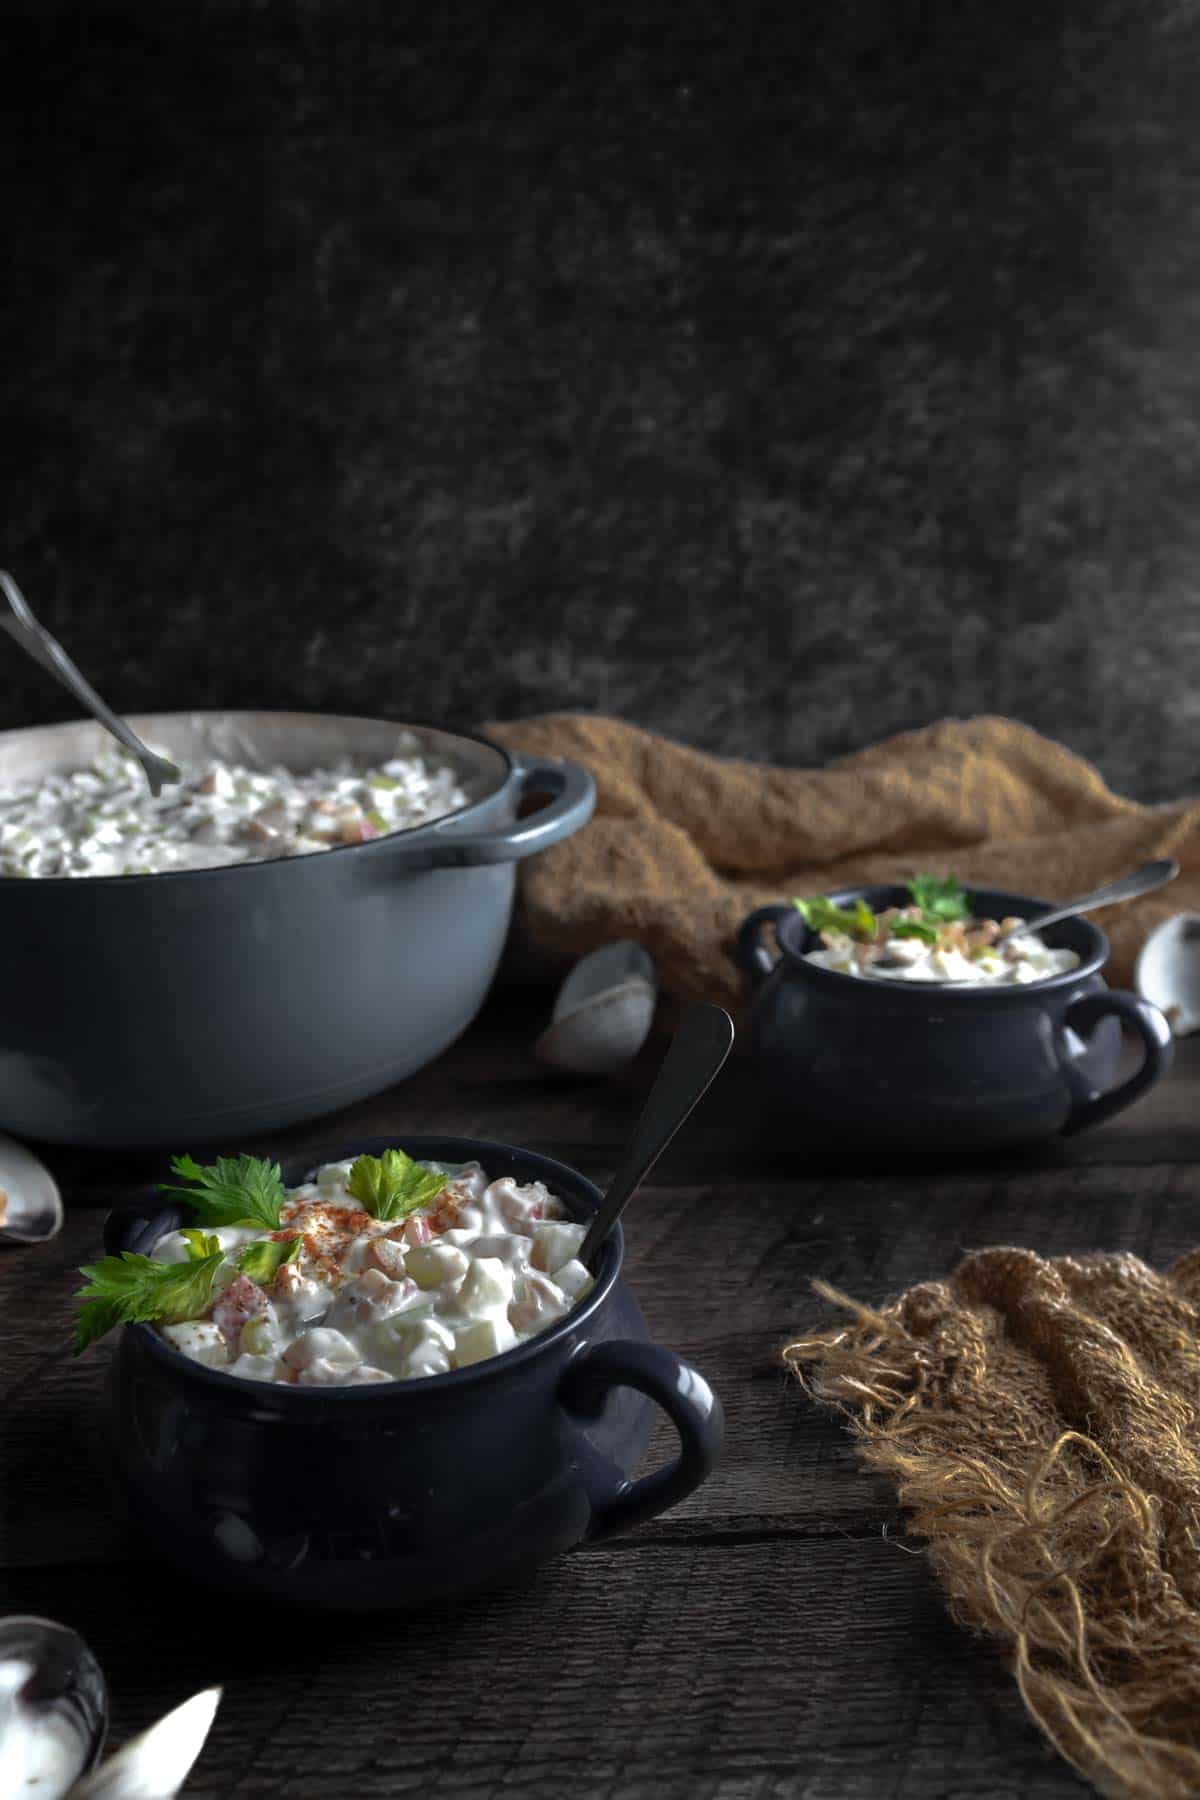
<point>37,642</point>
<point>1151,875</point>
<point>696,1053</point>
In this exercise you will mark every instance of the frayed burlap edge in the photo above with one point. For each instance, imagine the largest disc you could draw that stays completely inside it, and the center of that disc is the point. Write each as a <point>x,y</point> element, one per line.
<point>1023,1551</point>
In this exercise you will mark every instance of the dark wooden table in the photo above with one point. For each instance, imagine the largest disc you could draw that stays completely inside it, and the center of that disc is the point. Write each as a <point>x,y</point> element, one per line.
<point>774,1636</point>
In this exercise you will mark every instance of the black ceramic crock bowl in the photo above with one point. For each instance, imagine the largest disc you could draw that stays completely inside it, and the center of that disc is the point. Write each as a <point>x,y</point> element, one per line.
<point>199,1006</point>
<point>930,1067</point>
<point>395,1495</point>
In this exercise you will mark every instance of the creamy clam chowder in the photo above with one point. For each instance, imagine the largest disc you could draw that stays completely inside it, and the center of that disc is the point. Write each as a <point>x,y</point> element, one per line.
<point>1017,961</point>
<point>936,939</point>
<point>103,820</point>
<point>485,1266</point>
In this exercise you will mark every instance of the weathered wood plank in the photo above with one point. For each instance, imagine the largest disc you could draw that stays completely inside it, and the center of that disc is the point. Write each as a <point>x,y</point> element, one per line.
<point>489,1085</point>
<point>816,1671</point>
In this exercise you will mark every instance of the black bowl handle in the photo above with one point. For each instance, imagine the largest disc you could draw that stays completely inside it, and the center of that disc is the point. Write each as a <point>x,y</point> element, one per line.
<point>570,795</point>
<point>1089,1105</point>
<point>750,953</point>
<point>139,1225</point>
<point>683,1394</point>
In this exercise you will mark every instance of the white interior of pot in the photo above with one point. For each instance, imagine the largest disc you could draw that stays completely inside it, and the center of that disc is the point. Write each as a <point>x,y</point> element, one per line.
<point>300,742</point>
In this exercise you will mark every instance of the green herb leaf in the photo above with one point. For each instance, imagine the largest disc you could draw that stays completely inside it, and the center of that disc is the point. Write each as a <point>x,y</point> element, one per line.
<point>199,1243</point>
<point>940,897</point>
<point>821,914</point>
<point>262,1260</point>
<point>96,1318</point>
<point>235,1190</point>
<point>128,1288</point>
<point>392,1185</point>
<point>915,928</point>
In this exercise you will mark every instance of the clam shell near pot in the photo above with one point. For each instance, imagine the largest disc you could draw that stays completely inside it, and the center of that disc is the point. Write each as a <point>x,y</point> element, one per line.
<point>1168,971</point>
<point>603,1012</point>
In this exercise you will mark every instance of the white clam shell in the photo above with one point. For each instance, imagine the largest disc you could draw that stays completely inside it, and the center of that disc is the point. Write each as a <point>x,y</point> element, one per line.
<point>155,1764</point>
<point>1168,971</point>
<point>30,1203</point>
<point>603,1012</point>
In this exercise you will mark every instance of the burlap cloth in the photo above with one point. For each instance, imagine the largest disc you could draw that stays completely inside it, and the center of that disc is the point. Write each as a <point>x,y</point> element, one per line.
<point>685,844</point>
<point>1041,1420</point>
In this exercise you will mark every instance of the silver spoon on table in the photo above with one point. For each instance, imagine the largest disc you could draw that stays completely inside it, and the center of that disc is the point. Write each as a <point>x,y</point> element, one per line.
<point>1151,875</point>
<point>696,1053</point>
<point>38,643</point>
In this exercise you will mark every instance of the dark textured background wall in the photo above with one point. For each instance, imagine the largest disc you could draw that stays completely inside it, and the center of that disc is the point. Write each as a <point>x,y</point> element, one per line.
<point>779,377</point>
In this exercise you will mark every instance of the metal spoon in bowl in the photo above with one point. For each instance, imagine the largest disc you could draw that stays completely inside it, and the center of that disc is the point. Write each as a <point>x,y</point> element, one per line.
<point>1151,875</point>
<point>37,642</point>
<point>697,1052</point>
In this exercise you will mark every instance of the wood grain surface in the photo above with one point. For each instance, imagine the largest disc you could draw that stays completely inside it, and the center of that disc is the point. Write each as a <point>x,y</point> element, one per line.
<point>773,1636</point>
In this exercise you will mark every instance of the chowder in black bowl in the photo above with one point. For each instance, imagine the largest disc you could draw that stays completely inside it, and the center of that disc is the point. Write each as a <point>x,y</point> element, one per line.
<point>400,1493</point>
<point>937,1067</point>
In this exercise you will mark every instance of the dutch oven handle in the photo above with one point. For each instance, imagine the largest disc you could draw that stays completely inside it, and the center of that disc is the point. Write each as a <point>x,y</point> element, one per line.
<point>688,1401</point>
<point>750,953</point>
<point>571,796</point>
<point>1089,1104</point>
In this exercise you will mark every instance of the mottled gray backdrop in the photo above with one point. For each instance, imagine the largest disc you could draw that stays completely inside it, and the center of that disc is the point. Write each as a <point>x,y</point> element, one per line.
<point>776,376</point>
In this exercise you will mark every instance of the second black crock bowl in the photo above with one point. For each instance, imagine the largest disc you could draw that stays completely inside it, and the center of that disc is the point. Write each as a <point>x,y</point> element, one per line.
<point>398,1494</point>
<point>930,1067</point>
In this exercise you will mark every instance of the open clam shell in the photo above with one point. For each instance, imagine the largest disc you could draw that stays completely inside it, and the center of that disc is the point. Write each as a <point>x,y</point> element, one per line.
<point>53,1708</point>
<point>155,1765</point>
<point>1168,971</point>
<point>30,1204</point>
<point>603,1012</point>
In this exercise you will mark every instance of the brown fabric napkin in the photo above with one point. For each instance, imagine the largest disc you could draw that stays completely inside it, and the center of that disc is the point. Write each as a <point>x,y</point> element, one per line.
<point>685,844</point>
<point>1041,1420</point>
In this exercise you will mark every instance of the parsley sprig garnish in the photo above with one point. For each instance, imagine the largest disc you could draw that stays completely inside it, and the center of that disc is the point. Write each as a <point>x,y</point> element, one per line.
<point>235,1190</point>
<point>916,928</point>
<point>821,914</point>
<point>392,1185</point>
<point>940,897</point>
<point>128,1289</point>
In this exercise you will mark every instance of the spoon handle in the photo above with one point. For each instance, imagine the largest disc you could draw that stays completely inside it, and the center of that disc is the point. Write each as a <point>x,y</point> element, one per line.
<point>1151,875</point>
<point>696,1053</point>
<point>46,650</point>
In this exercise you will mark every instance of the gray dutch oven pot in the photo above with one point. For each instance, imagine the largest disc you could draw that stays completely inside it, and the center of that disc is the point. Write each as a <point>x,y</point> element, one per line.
<point>209,1004</point>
